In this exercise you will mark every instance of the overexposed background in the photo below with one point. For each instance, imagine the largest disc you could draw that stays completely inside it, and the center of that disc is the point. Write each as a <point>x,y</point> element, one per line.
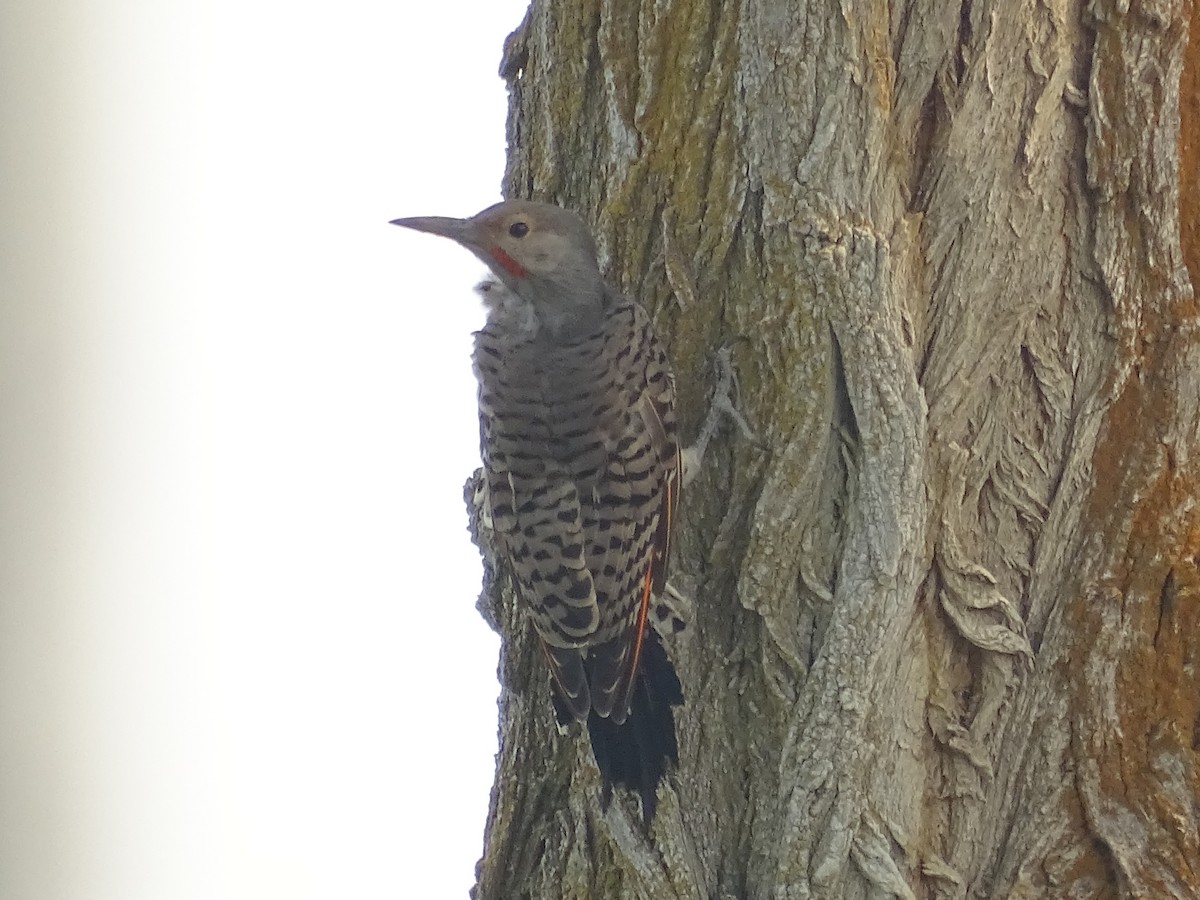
<point>239,655</point>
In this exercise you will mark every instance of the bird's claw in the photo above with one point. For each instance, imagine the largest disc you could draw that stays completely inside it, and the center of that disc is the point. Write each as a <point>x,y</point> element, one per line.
<point>722,406</point>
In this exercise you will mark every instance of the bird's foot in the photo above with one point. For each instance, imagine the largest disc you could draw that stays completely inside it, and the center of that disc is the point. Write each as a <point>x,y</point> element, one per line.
<point>479,524</point>
<point>722,407</point>
<point>672,610</point>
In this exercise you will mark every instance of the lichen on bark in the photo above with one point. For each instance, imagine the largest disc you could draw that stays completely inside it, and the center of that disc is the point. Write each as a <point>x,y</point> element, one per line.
<point>944,641</point>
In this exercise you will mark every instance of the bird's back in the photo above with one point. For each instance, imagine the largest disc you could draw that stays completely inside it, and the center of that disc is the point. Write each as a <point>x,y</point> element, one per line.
<point>581,459</point>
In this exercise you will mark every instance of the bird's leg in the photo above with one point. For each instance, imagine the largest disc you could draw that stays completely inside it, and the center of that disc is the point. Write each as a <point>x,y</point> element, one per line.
<point>479,511</point>
<point>722,406</point>
<point>672,611</point>
<point>479,524</point>
<point>673,608</point>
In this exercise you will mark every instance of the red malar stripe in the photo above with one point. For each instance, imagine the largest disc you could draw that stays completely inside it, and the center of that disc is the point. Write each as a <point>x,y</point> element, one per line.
<point>514,268</point>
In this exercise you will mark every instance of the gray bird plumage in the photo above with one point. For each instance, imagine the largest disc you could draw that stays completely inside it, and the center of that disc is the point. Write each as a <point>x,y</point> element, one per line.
<point>581,464</point>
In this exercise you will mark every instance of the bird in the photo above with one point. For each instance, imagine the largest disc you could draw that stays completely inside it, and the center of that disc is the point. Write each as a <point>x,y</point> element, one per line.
<point>581,470</point>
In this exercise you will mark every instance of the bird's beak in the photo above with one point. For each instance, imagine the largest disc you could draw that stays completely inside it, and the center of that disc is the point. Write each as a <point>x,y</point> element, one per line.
<point>458,230</point>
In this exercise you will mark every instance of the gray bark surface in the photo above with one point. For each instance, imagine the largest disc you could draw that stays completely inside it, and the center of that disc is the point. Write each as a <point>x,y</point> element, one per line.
<point>946,624</point>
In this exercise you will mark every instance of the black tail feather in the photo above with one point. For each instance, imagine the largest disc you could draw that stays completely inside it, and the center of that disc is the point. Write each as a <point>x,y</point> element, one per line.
<point>636,753</point>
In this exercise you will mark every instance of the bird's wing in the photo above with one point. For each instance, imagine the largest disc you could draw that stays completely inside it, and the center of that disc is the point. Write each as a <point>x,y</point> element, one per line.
<point>636,500</point>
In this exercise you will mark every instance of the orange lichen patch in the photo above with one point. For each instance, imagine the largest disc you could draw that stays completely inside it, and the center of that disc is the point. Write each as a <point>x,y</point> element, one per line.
<point>1189,150</point>
<point>1135,679</point>
<point>1135,674</point>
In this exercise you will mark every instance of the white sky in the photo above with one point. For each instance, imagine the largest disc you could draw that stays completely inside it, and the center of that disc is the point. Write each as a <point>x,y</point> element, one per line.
<point>239,654</point>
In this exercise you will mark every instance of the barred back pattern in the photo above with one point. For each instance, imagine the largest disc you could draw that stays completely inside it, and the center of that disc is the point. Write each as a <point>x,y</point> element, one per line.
<point>581,460</point>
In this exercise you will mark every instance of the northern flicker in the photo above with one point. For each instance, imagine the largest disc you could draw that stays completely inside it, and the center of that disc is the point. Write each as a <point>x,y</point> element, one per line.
<point>581,466</point>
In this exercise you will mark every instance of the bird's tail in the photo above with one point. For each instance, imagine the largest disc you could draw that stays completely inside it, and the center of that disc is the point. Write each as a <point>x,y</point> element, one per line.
<point>636,753</point>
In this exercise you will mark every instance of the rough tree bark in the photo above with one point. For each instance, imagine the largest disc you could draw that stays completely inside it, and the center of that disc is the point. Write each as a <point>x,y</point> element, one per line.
<point>945,639</point>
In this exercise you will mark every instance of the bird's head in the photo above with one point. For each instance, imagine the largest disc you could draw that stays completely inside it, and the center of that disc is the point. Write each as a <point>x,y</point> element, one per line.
<point>542,253</point>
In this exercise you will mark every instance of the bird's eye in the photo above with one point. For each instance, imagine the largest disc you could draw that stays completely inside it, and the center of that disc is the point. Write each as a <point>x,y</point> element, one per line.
<point>518,229</point>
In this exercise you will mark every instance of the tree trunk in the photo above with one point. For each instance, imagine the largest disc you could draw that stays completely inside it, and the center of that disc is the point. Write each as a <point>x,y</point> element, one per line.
<point>945,632</point>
